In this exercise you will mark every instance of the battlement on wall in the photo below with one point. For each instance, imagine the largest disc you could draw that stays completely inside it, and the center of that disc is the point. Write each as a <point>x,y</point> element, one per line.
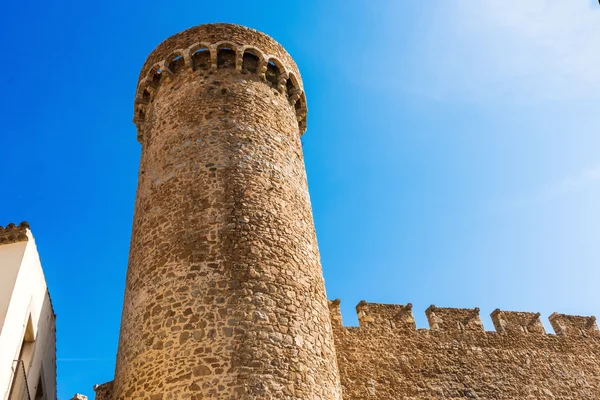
<point>573,325</point>
<point>387,357</point>
<point>14,233</point>
<point>454,319</point>
<point>399,318</point>
<point>104,391</point>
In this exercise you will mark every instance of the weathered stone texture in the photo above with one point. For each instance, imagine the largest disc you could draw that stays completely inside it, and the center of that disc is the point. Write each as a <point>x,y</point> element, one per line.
<point>213,34</point>
<point>385,359</point>
<point>225,295</point>
<point>454,319</point>
<point>14,233</point>
<point>574,325</point>
<point>519,322</point>
<point>104,391</point>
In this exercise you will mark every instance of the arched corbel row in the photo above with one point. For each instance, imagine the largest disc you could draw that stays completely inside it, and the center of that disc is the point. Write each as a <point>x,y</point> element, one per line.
<point>176,61</point>
<point>187,59</point>
<point>200,56</point>
<point>293,89</point>
<point>145,93</point>
<point>224,54</point>
<point>275,71</point>
<point>253,61</point>
<point>154,76</point>
<point>213,56</point>
<point>165,71</point>
<point>146,83</point>
<point>300,107</point>
<point>281,83</point>
<point>227,55</point>
<point>301,112</point>
<point>157,73</point>
<point>239,61</point>
<point>262,69</point>
<point>139,114</point>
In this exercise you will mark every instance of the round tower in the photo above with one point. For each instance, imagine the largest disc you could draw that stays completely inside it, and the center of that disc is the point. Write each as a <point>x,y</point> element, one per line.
<point>225,295</point>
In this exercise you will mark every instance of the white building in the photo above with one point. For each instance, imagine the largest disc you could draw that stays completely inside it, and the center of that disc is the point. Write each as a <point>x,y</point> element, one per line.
<point>27,321</point>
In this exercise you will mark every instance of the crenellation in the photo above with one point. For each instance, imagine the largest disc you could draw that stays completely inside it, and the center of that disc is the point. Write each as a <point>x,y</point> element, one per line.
<point>454,319</point>
<point>457,359</point>
<point>385,316</point>
<point>335,313</point>
<point>104,391</point>
<point>574,325</point>
<point>514,322</point>
<point>14,233</point>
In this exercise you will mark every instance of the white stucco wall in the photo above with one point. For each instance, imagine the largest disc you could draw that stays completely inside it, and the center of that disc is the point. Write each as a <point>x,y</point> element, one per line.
<point>24,295</point>
<point>11,256</point>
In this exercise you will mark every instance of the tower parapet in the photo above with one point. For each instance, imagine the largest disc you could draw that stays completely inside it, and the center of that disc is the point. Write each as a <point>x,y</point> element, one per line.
<point>202,50</point>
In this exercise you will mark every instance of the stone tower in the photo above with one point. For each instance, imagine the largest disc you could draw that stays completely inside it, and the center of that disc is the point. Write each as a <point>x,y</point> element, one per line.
<point>225,295</point>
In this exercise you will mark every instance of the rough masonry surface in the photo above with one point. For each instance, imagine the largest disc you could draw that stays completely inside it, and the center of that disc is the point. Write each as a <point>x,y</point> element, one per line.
<point>225,295</point>
<point>14,233</point>
<point>388,358</point>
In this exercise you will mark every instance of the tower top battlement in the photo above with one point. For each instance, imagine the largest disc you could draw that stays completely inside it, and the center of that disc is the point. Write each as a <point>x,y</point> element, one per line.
<point>220,46</point>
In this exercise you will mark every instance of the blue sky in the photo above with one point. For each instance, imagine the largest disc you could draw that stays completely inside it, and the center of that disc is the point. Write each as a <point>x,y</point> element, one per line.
<point>452,150</point>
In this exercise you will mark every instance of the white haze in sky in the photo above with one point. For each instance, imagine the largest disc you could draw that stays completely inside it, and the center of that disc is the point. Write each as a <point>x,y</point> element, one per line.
<point>520,50</point>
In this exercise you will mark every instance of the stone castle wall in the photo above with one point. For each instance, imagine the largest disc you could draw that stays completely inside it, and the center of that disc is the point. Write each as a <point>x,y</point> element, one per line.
<point>225,295</point>
<point>388,358</point>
